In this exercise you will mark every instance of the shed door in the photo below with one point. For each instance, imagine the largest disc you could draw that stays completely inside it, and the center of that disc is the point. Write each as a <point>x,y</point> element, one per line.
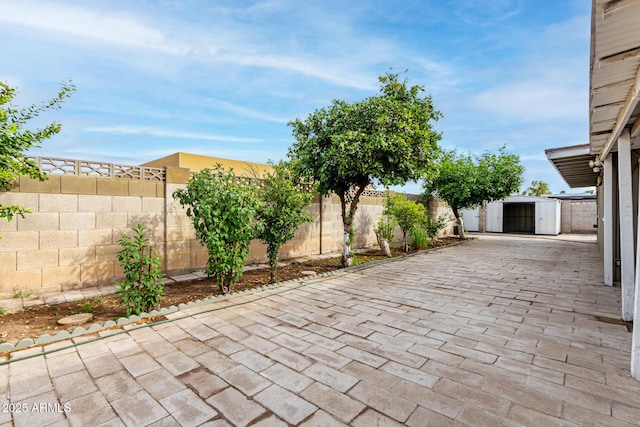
<point>547,218</point>
<point>494,217</point>
<point>471,219</point>
<point>519,218</point>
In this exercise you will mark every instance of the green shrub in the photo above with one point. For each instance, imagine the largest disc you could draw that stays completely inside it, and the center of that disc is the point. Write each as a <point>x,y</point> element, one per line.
<point>386,227</point>
<point>407,213</point>
<point>282,210</point>
<point>420,238</point>
<point>142,288</point>
<point>433,226</point>
<point>223,211</point>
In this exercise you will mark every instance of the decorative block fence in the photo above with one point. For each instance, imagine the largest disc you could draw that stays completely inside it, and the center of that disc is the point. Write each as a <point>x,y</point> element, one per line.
<point>69,241</point>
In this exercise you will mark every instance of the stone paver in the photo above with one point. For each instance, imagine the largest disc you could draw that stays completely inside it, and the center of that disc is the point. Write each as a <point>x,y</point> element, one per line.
<point>285,404</point>
<point>187,409</point>
<point>502,330</point>
<point>245,380</point>
<point>236,407</point>
<point>139,409</point>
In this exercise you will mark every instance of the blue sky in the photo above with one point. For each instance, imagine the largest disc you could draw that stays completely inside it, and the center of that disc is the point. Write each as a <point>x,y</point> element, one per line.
<point>223,77</point>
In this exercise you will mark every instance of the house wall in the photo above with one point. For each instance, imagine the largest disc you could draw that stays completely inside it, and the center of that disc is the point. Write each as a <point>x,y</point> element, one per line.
<point>70,239</point>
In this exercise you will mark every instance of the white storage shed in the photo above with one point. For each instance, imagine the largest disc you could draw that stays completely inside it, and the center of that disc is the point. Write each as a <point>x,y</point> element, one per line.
<point>471,219</point>
<point>518,214</point>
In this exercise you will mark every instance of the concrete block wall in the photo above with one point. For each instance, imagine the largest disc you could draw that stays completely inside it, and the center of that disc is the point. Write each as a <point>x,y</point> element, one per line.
<point>437,208</point>
<point>579,216</point>
<point>584,215</point>
<point>70,239</point>
<point>565,217</point>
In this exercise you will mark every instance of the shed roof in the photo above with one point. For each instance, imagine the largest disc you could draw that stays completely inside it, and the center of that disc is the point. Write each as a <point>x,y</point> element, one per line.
<point>520,198</point>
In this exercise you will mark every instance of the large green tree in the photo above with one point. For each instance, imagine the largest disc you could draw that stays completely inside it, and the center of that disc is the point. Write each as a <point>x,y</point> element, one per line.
<point>537,189</point>
<point>465,181</point>
<point>283,208</point>
<point>345,147</point>
<point>15,140</point>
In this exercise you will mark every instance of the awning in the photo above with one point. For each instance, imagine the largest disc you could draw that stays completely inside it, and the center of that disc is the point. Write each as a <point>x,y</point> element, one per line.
<point>615,73</point>
<point>572,163</point>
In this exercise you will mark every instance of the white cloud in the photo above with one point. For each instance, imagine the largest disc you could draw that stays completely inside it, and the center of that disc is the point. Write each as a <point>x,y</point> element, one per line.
<point>532,100</point>
<point>164,133</point>
<point>228,41</point>
<point>229,107</point>
<point>487,12</point>
<point>84,23</point>
<point>535,158</point>
<point>548,84</point>
<point>306,66</point>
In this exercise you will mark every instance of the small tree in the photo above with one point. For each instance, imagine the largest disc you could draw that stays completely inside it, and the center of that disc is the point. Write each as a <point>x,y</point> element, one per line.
<point>14,140</point>
<point>344,148</point>
<point>142,288</point>
<point>537,189</point>
<point>282,210</point>
<point>222,209</point>
<point>386,231</point>
<point>407,213</point>
<point>465,181</point>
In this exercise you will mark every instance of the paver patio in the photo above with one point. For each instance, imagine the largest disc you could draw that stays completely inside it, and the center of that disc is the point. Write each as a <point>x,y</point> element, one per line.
<point>499,331</point>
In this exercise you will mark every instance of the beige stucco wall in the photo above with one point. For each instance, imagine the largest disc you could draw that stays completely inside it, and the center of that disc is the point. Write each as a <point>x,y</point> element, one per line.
<point>69,241</point>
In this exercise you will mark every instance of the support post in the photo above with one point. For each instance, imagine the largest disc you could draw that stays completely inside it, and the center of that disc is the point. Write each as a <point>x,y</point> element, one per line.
<point>627,252</point>
<point>635,338</point>
<point>608,221</point>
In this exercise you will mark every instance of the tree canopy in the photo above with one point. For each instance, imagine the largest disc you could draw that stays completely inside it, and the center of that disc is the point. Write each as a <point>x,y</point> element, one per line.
<point>465,181</point>
<point>15,141</point>
<point>345,147</point>
<point>537,189</point>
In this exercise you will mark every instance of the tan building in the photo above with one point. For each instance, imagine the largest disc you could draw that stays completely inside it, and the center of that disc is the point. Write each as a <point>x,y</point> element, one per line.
<point>196,163</point>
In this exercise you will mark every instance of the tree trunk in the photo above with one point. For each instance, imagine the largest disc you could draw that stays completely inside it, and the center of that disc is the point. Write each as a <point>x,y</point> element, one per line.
<point>384,246</point>
<point>272,253</point>
<point>456,213</point>
<point>347,221</point>
<point>347,261</point>
<point>405,241</point>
